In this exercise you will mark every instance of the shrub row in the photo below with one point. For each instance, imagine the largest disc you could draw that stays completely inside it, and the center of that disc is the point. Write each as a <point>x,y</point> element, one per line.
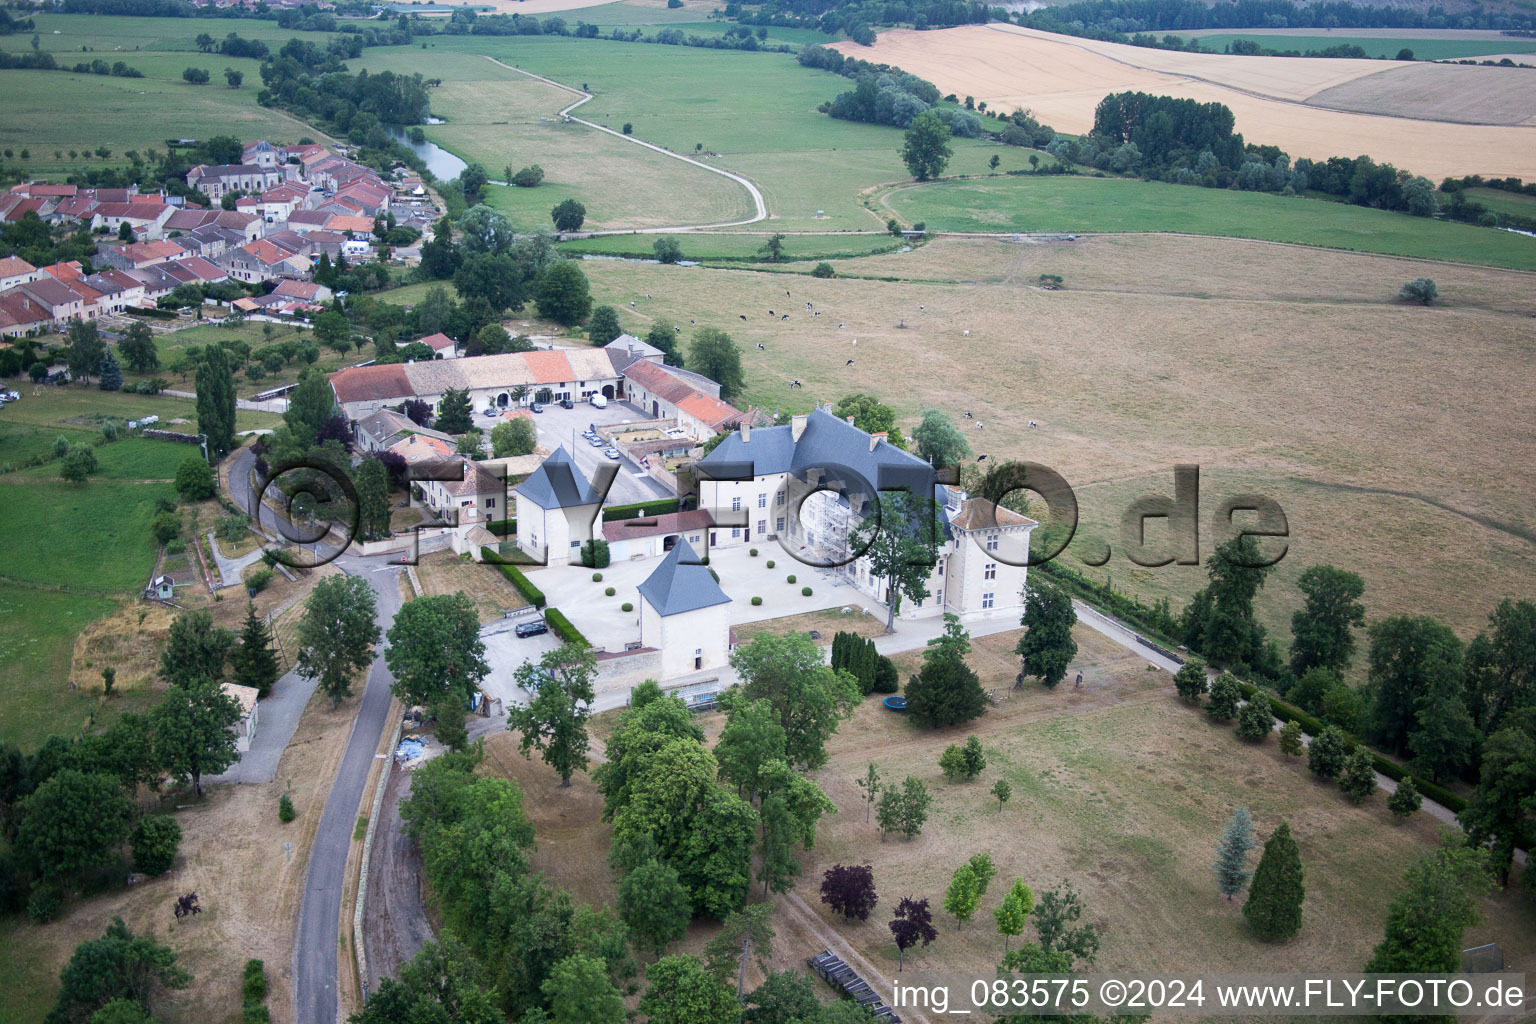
<point>532,594</point>
<point>563,627</point>
<point>659,507</point>
<point>502,527</point>
<point>1312,726</point>
<point>1157,621</point>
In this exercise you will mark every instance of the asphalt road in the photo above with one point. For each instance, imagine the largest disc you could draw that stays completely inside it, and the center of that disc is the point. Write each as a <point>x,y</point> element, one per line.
<point>315,946</point>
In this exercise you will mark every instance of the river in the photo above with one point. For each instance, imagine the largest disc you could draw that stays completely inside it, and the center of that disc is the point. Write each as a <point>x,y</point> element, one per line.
<point>443,164</point>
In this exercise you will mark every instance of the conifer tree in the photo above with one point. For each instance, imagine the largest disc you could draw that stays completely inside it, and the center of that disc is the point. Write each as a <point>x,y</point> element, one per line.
<point>1232,872</point>
<point>253,662</point>
<point>1277,893</point>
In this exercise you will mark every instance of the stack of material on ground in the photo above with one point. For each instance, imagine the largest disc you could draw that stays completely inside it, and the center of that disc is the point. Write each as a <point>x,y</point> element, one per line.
<point>839,975</point>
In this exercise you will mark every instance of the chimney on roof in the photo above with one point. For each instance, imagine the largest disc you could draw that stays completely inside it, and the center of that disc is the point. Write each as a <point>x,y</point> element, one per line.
<point>874,438</point>
<point>746,432</point>
<point>796,426</point>
<point>849,417</point>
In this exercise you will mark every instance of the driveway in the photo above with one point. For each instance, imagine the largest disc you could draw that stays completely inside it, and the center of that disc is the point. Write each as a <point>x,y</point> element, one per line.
<point>506,652</point>
<point>231,568</point>
<point>280,713</point>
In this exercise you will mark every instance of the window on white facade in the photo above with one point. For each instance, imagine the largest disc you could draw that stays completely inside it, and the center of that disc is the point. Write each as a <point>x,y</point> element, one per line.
<point>989,571</point>
<point>762,500</point>
<point>986,600</point>
<point>762,527</point>
<point>736,504</point>
<point>938,596</point>
<point>778,525</point>
<point>490,502</point>
<point>735,533</point>
<point>992,542</point>
<point>780,499</point>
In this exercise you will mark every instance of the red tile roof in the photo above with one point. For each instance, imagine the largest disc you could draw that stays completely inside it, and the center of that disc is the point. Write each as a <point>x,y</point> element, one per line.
<point>371,383</point>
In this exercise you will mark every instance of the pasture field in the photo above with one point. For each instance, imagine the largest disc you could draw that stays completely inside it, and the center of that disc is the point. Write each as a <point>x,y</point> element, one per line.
<point>708,245</point>
<point>132,458</point>
<point>1077,204</point>
<point>92,537</point>
<point>37,634</point>
<point>113,37</point>
<point>85,408</point>
<point>56,111</point>
<point>1062,79</point>
<point>500,118</point>
<point>1284,370</point>
<point>1384,47</point>
<point>754,114</point>
<point>1500,201</point>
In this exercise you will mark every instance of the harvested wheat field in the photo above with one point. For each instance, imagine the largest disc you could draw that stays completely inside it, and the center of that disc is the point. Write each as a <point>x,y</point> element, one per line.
<point>1440,92</point>
<point>1062,79</point>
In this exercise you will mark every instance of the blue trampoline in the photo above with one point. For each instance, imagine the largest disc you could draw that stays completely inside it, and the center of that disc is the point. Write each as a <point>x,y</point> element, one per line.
<point>896,702</point>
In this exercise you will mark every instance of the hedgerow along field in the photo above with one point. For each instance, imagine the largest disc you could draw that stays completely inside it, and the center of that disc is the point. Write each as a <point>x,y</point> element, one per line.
<point>1292,371</point>
<point>1381,47</point>
<point>1058,203</point>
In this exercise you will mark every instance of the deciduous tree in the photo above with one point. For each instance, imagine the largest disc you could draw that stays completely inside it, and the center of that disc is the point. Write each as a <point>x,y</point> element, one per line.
<point>336,635</point>
<point>912,925</point>
<point>850,890</point>
<point>73,823</point>
<point>117,966</point>
<point>716,356</point>
<point>603,326</point>
<point>195,650</point>
<point>579,992</point>
<point>1013,913</point>
<point>1055,914</point>
<point>1322,633</point>
<point>1430,914</point>
<point>555,720</point>
<point>809,698</point>
<point>568,215</point>
<point>564,294</point>
<point>194,731</point>
<point>926,150</point>
<point>680,992</point>
<point>655,905</point>
<point>435,650</point>
<point>938,440</point>
<point>963,896</point>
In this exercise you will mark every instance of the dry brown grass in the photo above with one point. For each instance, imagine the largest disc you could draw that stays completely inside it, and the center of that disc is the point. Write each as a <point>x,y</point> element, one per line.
<point>1063,79</point>
<point>232,857</point>
<point>1122,790</point>
<point>1269,365</point>
<point>827,622</point>
<point>447,573</point>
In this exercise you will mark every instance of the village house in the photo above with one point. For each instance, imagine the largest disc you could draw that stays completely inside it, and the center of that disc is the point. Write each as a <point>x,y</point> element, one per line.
<point>264,260</point>
<point>216,180</point>
<point>14,271</point>
<point>667,392</point>
<point>548,375</point>
<point>385,428</point>
<point>464,488</point>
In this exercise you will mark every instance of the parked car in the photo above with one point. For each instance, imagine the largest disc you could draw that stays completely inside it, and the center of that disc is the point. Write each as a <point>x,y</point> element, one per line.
<point>612,453</point>
<point>597,442</point>
<point>13,396</point>
<point>566,403</point>
<point>533,627</point>
<point>537,407</point>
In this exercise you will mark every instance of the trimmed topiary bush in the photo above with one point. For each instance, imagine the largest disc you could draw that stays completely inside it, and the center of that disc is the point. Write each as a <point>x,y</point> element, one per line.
<point>597,577</point>
<point>790,578</point>
<point>752,552</point>
<point>756,601</point>
<point>285,811</point>
<point>255,982</point>
<point>627,607</point>
<point>609,591</point>
<point>770,563</point>
<point>805,591</point>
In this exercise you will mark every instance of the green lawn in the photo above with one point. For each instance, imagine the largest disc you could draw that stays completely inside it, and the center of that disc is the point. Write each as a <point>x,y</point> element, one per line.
<point>112,37</point>
<point>717,245</point>
<point>132,458</point>
<point>1499,201</point>
<point>1081,204</point>
<point>37,634</point>
<point>22,441</point>
<point>92,536</point>
<point>1423,49</point>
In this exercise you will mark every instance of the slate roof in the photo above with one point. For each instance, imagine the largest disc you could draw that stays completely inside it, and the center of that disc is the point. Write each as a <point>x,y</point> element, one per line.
<point>826,441</point>
<point>558,483</point>
<point>627,348</point>
<point>681,583</point>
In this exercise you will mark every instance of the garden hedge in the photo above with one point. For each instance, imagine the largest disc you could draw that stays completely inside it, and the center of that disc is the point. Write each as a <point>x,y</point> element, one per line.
<point>641,509</point>
<point>564,628</point>
<point>532,594</point>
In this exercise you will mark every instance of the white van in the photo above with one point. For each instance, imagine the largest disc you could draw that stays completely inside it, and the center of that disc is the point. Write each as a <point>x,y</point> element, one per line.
<point>598,401</point>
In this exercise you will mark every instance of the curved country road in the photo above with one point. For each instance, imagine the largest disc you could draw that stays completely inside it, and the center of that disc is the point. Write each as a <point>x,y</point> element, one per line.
<point>757,196</point>
<point>317,938</point>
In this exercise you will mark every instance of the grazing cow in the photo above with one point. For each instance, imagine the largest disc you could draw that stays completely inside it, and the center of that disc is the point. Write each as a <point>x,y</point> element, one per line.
<point>760,347</point>
<point>1033,425</point>
<point>848,363</point>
